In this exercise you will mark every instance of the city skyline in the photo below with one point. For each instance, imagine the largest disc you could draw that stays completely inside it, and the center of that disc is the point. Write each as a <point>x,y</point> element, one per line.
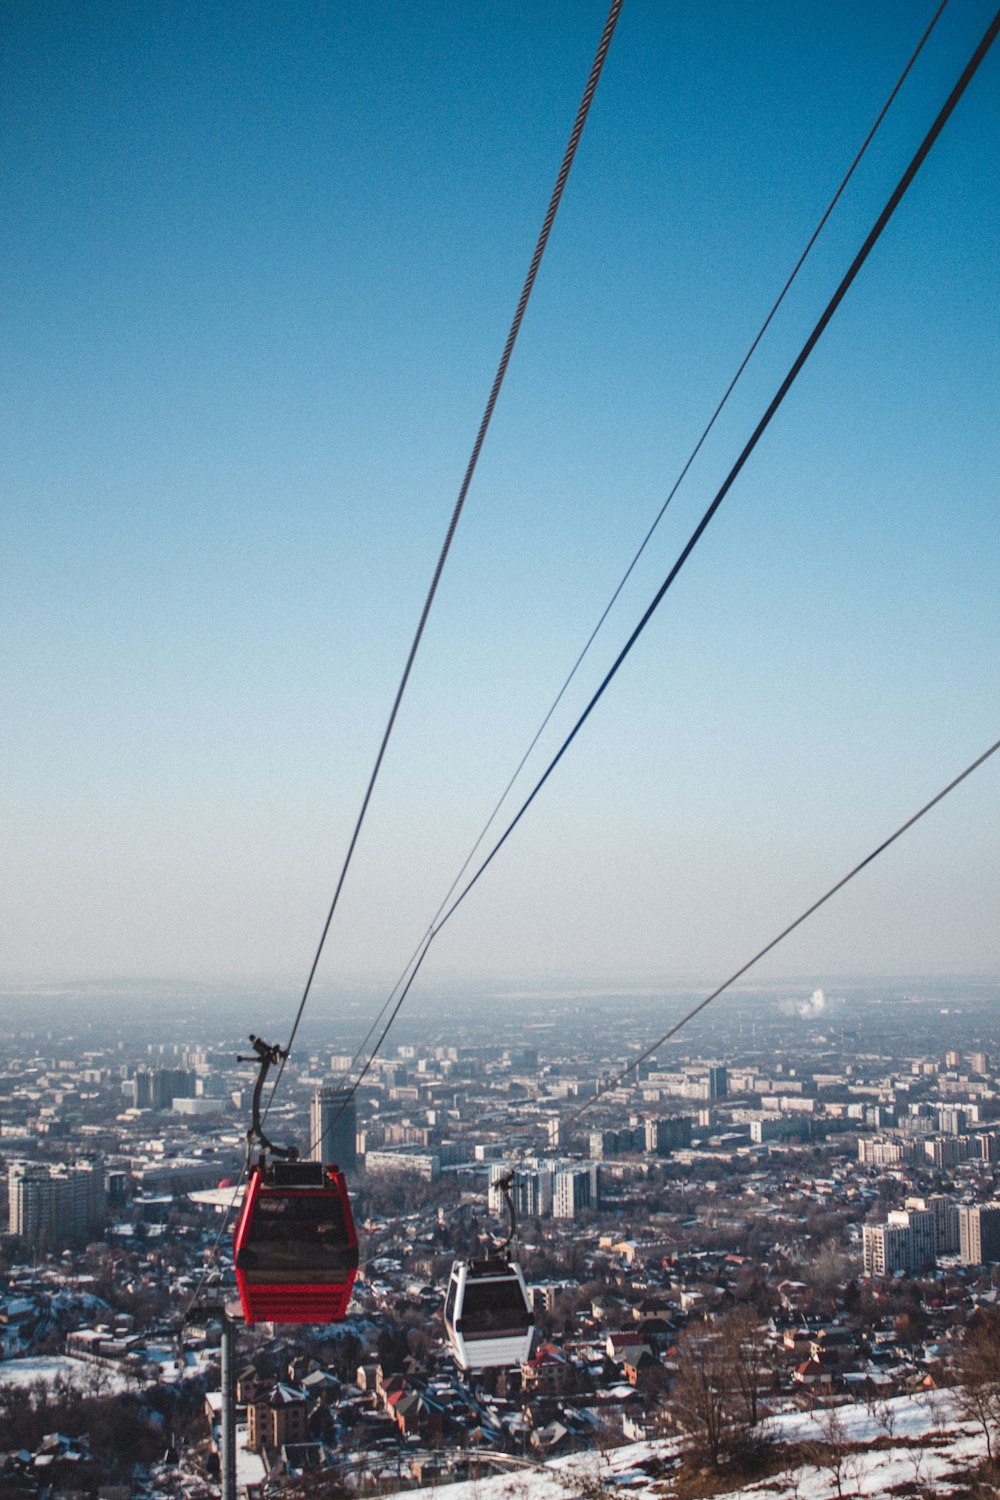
<point>262,274</point>
<point>828,1189</point>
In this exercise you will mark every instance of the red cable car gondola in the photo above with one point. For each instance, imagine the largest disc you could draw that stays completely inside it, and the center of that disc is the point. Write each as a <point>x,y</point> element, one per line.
<point>295,1246</point>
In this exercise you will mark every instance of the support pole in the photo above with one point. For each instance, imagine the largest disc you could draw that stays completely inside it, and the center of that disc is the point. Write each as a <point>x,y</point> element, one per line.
<point>227,1457</point>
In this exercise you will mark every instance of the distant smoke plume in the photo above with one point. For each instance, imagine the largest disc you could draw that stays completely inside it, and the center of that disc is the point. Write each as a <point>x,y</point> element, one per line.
<point>806,1010</point>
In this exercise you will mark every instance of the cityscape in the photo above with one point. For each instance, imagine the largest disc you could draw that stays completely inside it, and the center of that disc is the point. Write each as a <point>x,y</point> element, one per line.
<point>818,1168</point>
<point>512,486</point>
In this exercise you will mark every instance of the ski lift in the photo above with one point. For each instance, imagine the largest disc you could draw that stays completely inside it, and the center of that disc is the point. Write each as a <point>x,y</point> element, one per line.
<point>487,1311</point>
<point>295,1245</point>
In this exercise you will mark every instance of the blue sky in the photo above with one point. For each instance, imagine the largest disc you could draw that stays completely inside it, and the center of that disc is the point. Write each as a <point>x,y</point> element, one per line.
<point>260,265</point>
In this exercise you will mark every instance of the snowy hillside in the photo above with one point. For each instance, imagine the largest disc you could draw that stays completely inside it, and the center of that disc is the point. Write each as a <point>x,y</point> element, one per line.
<point>905,1446</point>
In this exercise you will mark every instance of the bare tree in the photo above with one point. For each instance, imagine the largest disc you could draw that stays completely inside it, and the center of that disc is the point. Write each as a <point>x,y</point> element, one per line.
<point>792,1480</point>
<point>828,1270</point>
<point>934,1404</point>
<point>701,1395</point>
<point>98,1379</point>
<point>886,1415</point>
<point>749,1360</point>
<point>978,1365</point>
<point>918,1460</point>
<point>832,1451</point>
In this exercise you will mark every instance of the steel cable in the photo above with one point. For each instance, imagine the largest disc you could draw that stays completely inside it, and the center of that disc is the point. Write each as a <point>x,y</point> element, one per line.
<point>785,932</point>
<point>529,282</point>
<point>359,1053</point>
<point>874,234</point>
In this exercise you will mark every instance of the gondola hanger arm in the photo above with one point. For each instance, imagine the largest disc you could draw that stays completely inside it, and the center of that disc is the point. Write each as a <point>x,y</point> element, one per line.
<point>266,1055</point>
<point>504,1186</point>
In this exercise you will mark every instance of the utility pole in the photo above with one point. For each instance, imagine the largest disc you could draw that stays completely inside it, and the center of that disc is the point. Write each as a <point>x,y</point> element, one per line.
<point>228,1314</point>
<point>227,1443</point>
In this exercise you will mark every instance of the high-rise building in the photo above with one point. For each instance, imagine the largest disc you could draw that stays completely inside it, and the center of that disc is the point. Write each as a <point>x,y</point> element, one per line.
<point>571,1192</point>
<point>157,1088</point>
<point>923,1240</point>
<point>945,1213</point>
<point>884,1153</point>
<point>988,1146</point>
<point>979,1234</point>
<point>952,1060</point>
<point>905,1242</point>
<point>56,1207</point>
<point>333,1126</point>
<point>947,1151</point>
<point>951,1120</point>
<point>979,1062</point>
<point>615,1142</point>
<point>885,1248</point>
<point>664,1136</point>
<point>521,1057</point>
<point>718,1082</point>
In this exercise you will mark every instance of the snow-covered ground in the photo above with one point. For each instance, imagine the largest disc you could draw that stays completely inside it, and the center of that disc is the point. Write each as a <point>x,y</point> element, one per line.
<point>105,1380</point>
<point>249,1466</point>
<point>923,1442</point>
<point>50,1368</point>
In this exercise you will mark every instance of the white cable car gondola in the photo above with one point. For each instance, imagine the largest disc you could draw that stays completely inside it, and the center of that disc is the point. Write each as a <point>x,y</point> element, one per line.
<point>487,1311</point>
<point>487,1315</point>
